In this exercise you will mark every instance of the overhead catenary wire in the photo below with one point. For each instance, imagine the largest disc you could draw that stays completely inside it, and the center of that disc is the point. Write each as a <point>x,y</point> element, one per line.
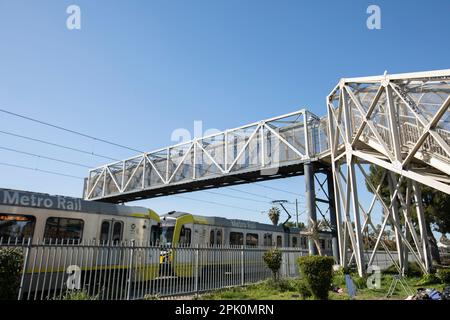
<point>107,142</point>
<point>57,145</point>
<point>40,170</point>
<point>81,178</point>
<point>217,203</point>
<point>45,157</point>
<point>70,131</point>
<point>235,197</point>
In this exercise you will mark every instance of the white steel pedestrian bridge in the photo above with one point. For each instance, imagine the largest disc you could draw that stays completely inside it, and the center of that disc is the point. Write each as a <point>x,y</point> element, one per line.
<point>399,122</point>
<point>268,149</point>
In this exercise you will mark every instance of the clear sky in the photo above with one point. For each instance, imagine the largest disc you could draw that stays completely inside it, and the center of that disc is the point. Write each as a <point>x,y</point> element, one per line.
<point>137,70</point>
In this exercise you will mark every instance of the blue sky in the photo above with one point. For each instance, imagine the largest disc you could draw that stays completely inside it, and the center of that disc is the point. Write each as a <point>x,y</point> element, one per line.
<point>137,70</point>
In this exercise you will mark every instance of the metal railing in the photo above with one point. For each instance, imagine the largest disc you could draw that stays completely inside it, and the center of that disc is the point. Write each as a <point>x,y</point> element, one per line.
<point>128,270</point>
<point>53,270</point>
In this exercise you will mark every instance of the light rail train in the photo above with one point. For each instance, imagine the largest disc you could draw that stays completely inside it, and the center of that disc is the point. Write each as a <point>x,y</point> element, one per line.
<point>96,237</point>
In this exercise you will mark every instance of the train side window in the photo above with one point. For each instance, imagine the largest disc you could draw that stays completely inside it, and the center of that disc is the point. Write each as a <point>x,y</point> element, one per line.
<point>63,229</point>
<point>294,242</point>
<point>268,239</point>
<point>236,238</point>
<point>251,239</point>
<point>303,242</point>
<point>279,241</point>
<point>104,231</point>
<point>185,236</point>
<point>211,237</point>
<point>18,227</point>
<point>219,237</point>
<point>117,231</point>
<point>322,243</point>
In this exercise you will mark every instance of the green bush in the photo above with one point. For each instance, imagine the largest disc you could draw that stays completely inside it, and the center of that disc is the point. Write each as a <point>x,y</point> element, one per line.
<point>272,259</point>
<point>339,277</point>
<point>317,272</point>
<point>413,270</point>
<point>303,289</point>
<point>444,275</point>
<point>11,264</point>
<point>360,282</point>
<point>429,278</point>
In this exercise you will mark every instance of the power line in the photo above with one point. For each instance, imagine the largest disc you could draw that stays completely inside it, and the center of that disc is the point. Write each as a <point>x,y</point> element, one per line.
<point>236,197</point>
<point>281,190</point>
<point>114,144</point>
<point>45,157</point>
<point>217,203</point>
<point>69,130</point>
<point>40,170</point>
<point>57,145</point>
<point>251,193</point>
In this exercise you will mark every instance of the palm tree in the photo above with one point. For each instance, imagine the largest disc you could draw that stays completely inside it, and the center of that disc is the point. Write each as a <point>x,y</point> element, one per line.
<point>274,215</point>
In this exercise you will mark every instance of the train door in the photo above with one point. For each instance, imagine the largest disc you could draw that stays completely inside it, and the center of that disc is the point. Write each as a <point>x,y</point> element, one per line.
<point>111,234</point>
<point>215,237</point>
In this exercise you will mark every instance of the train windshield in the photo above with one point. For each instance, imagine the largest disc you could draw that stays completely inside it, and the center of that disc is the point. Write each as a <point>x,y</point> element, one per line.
<point>166,235</point>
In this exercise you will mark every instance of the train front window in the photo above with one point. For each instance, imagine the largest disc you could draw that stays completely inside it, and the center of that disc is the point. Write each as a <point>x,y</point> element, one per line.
<point>16,227</point>
<point>166,235</point>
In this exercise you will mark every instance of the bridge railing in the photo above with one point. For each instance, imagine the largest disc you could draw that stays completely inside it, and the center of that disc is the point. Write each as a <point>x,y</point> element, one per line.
<point>263,146</point>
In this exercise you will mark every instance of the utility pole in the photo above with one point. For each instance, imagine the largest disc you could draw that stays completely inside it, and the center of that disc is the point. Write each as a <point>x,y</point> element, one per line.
<point>296,212</point>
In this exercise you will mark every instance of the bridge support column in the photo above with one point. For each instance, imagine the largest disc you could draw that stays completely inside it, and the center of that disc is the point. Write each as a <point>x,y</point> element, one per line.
<point>333,219</point>
<point>310,193</point>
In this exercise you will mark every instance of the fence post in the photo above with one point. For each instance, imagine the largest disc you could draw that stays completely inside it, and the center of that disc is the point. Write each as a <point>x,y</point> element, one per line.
<point>242,266</point>
<point>130,265</point>
<point>25,262</point>
<point>196,269</point>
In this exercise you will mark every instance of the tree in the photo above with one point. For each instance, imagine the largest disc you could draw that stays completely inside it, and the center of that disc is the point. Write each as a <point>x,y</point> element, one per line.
<point>274,215</point>
<point>435,203</point>
<point>291,224</point>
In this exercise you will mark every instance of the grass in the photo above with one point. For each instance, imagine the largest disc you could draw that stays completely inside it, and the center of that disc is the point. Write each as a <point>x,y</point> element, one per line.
<point>288,290</point>
<point>264,290</point>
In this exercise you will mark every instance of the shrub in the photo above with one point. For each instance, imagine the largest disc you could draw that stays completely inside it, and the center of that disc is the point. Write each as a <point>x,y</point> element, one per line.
<point>11,264</point>
<point>444,275</point>
<point>317,272</point>
<point>360,282</point>
<point>413,270</point>
<point>339,277</point>
<point>272,259</point>
<point>429,278</point>
<point>303,289</point>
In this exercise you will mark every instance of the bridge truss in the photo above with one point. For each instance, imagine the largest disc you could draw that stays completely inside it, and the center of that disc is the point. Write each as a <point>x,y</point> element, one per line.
<point>269,149</point>
<point>397,122</point>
